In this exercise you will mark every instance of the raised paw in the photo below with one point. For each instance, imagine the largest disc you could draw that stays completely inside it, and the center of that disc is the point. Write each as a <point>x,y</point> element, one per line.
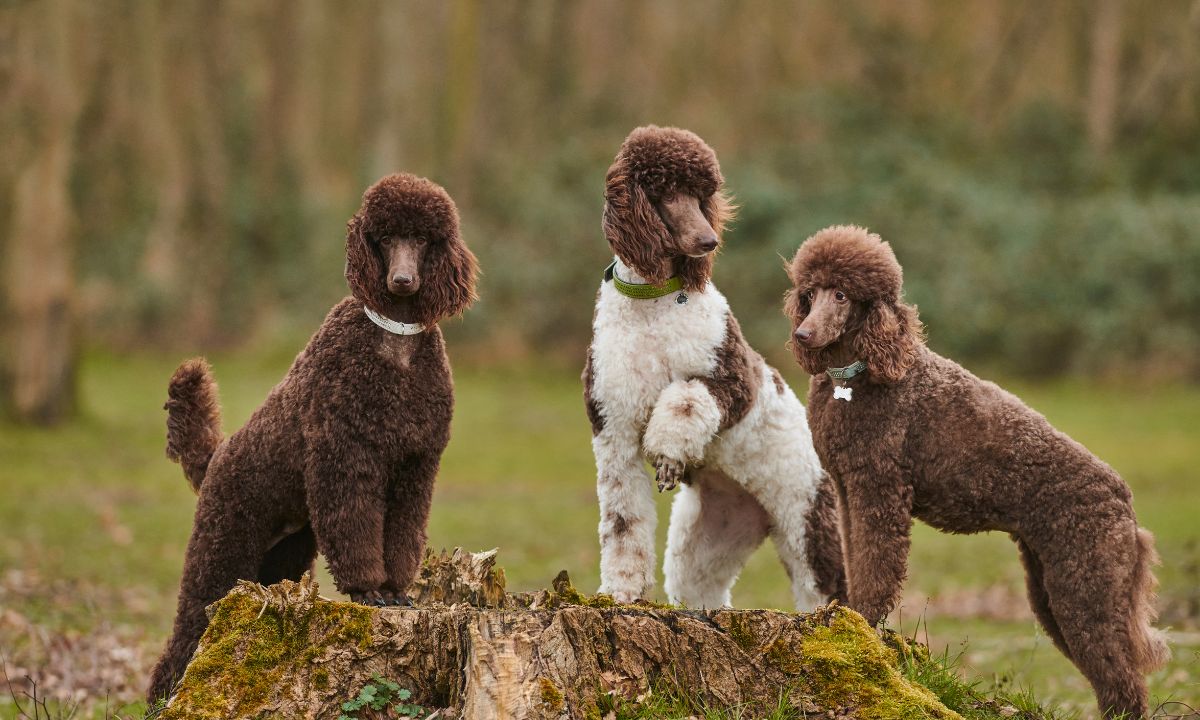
<point>669,473</point>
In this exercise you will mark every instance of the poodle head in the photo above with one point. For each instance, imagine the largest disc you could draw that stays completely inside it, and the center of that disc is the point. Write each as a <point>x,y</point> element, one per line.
<point>664,206</point>
<point>846,301</point>
<point>404,251</point>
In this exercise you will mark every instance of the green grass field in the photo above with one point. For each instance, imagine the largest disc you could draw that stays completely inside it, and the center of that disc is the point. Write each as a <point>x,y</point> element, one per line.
<point>94,520</point>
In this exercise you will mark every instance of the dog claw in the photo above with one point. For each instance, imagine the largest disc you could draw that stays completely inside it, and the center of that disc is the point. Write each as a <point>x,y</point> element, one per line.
<point>373,598</point>
<point>402,600</point>
<point>668,474</point>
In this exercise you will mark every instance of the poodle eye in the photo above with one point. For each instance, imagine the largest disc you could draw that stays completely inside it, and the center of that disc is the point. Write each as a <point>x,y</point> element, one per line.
<point>386,241</point>
<point>840,296</point>
<point>421,240</point>
<point>809,295</point>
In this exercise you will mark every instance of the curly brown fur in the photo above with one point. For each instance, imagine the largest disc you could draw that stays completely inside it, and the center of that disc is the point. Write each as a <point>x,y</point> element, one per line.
<point>654,164</point>
<point>922,437</point>
<point>193,419</point>
<point>342,455</point>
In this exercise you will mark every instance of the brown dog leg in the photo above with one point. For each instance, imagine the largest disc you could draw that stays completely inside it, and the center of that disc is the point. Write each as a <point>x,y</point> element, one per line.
<point>1039,600</point>
<point>408,505</point>
<point>346,506</point>
<point>221,552</point>
<point>1089,583</point>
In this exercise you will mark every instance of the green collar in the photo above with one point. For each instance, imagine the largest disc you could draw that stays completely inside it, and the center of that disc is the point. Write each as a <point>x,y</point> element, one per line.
<point>845,373</point>
<point>641,292</point>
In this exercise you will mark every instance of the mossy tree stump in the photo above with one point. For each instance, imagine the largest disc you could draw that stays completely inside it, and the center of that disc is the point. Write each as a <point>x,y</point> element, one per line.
<point>478,652</point>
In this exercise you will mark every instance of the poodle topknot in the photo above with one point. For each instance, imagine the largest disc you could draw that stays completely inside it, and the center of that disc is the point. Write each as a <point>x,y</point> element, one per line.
<point>854,260</point>
<point>667,160</point>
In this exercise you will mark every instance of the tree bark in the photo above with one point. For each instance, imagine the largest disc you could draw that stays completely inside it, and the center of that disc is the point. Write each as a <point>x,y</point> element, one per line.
<point>473,651</point>
<point>39,277</point>
<point>1104,74</point>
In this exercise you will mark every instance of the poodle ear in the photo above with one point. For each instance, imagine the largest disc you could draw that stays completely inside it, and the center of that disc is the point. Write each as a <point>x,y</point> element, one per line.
<point>448,285</point>
<point>814,362</point>
<point>364,269</point>
<point>634,230</point>
<point>888,341</point>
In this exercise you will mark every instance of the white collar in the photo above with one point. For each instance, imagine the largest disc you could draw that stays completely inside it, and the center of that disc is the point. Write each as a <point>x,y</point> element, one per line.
<point>392,326</point>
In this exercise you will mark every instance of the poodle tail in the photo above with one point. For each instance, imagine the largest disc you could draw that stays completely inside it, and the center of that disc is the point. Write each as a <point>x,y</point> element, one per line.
<point>1150,644</point>
<point>193,419</point>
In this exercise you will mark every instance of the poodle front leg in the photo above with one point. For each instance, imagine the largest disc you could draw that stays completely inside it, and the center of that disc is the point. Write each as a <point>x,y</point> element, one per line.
<point>877,521</point>
<point>627,517</point>
<point>682,424</point>
<point>404,536</point>
<point>346,505</point>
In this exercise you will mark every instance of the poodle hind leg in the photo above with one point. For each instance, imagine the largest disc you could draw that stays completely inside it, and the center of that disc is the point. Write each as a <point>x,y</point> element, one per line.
<point>222,550</point>
<point>804,528</point>
<point>1039,599</point>
<point>715,525</point>
<point>289,558</point>
<point>1089,580</point>
<point>409,500</point>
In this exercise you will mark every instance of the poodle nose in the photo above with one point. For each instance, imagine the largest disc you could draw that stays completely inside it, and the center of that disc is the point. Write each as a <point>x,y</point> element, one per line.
<point>803,334</point>
<point>708,244</point>
<point>402,280</point>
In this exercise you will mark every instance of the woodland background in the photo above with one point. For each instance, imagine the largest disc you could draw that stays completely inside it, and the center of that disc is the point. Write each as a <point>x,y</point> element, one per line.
<point>176,179</point>
<point>179,174</point>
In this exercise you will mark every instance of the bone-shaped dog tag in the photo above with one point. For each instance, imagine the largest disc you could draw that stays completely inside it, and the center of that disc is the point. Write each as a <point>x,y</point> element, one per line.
<point>842,393</point>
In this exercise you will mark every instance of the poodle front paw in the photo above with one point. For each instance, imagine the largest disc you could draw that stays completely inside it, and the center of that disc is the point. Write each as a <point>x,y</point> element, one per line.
<point>669,473</point>
<point>370,598</point>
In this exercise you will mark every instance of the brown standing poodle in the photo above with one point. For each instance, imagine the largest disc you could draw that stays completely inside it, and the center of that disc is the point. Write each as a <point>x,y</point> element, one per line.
<point>342,455</point>
<point>907,433</point>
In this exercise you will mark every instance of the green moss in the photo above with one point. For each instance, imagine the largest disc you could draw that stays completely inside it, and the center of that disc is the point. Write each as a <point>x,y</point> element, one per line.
<point>320,679</point>
<point>565,593</point>
<point>552,697</point>
<point>740,632</point>
<point>247,648</point>
<point>845,665</point>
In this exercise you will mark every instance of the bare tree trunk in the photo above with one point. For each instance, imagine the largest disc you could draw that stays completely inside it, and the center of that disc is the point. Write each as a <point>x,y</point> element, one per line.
<point>1104,74</point>
<point>39,278</point>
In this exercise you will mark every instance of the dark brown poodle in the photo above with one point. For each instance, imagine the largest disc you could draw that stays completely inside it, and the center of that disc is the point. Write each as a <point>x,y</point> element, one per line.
<point>342,455</point>
<point>907,433</point>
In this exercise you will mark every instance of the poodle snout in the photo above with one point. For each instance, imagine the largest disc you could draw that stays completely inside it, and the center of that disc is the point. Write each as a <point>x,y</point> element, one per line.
<point>707,244</point>
<point>803,334</point>
<point>403,283</point>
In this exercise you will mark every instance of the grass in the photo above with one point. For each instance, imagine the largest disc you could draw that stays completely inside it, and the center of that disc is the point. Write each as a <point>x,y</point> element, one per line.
<point>95,519</point>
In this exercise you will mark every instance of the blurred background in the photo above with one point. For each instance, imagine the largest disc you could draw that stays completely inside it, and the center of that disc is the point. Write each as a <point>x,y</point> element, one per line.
<point>177,178</point>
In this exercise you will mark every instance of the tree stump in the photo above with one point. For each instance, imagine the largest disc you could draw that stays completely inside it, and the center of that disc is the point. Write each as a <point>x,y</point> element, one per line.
<point>472,650</point>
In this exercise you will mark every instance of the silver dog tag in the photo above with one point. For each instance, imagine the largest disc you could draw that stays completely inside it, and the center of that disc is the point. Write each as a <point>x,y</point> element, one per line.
<point>842,393</point>
<point>681,300</point>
